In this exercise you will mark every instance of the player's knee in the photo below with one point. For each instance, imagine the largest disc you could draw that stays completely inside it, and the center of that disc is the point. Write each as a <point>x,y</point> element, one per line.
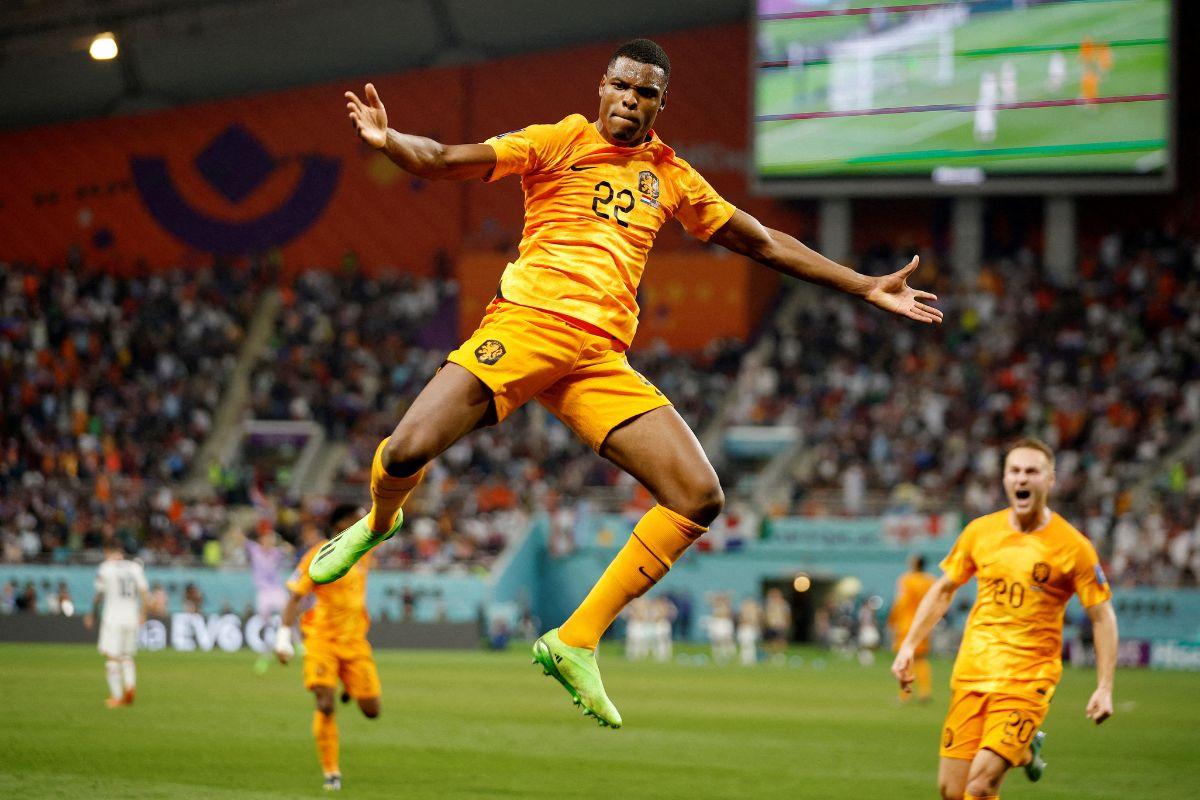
<point>950,791</point>
<point>370,707</point>
<point>407,450</point>
<point>704,503</point>
<point>983,785</point>
<point>325,704</point>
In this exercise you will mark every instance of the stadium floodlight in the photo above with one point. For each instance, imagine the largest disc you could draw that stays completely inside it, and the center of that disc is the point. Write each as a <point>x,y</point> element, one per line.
<point>103,47</point>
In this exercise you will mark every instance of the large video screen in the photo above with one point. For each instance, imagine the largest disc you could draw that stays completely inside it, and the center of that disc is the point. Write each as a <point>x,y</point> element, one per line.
<point>975,93</point>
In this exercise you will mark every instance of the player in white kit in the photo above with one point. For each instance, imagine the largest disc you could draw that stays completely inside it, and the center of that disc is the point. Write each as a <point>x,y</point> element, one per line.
<point>121,588</point>
<point>985,108</point>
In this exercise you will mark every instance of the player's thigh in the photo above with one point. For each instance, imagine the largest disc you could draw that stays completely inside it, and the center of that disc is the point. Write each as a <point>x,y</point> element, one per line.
<point>320,666</point>
<point>986,773</point>
<point>1012,721</point>
<point>359,674</point>
<point>962,732</point>
<point>451,405</point>
<point>324,696</point>
<point>370,706</point>
<point>600,394</point>
<point>515,353</point>
<point>660,450</point>
<point>952,777</point>
<point>117,641</point>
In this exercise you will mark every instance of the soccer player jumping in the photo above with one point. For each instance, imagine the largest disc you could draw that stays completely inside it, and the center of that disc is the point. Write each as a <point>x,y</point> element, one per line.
<point>596,194</point>
<point>1028,561</point>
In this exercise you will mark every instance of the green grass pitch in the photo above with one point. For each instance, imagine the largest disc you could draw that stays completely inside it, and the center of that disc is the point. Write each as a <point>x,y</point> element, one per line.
<point>484,725</point>
<point>1117,138</point>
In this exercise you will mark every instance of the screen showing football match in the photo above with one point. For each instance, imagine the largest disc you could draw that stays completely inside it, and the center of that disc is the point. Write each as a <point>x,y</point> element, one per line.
<point>961,92</point>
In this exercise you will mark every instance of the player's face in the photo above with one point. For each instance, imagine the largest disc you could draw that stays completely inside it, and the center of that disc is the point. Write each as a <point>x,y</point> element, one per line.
<point>1028,478</point>
<point>631,95</point>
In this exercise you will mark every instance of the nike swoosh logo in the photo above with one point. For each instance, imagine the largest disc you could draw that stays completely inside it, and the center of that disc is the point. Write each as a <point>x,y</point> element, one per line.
<point>648,576</point>
<point>577,168</point>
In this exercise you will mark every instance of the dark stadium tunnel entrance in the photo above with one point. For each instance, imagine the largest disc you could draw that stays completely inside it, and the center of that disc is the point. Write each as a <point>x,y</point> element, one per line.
<point>806,600</point>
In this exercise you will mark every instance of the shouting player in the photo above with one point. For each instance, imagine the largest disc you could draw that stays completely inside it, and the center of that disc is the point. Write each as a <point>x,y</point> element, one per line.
<point>1028,561</point>
<point>910,589</point>
<point>335,647</point>
<point>596,194</point>
<point>120,587</point>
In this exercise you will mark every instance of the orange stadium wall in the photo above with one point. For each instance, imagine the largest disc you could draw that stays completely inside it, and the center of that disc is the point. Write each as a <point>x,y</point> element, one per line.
<point>277,173</point>
<point>282,174</point>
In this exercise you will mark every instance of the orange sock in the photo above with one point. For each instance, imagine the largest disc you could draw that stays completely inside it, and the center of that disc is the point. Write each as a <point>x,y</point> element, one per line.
<point>325,731</point>
<point>981,797</point>
<point>658,540</point>
<point>924,675</point>
<point>388,493</point>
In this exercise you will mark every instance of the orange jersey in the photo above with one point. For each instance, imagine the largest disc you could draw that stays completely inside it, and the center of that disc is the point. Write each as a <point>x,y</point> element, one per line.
<point>910,588</point>
<point>592,210</point>
<point>340,611</point>
<point>1014,635</point>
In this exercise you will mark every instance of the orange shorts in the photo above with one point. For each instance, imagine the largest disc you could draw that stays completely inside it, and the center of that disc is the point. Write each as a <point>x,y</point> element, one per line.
<point>580,376</point>
<point>327,662</point>
<point>1002,723</point>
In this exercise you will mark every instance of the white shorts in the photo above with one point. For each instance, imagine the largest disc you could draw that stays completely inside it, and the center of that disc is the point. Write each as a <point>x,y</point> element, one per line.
<point>118,641</point>
<point>270,602</point>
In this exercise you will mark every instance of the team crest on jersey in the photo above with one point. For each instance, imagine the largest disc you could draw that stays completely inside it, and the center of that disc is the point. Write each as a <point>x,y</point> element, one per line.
<point>1041,572</point>
<point>648,186</point>
<point>490,352</point>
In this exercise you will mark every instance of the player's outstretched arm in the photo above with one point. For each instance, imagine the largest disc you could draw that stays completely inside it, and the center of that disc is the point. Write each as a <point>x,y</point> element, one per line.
<point>1104,630</point>
<point>747,236</point>
<point>419,155</point>
<point>89,619</point>
<point>284,650</point>
<point>933,607</point>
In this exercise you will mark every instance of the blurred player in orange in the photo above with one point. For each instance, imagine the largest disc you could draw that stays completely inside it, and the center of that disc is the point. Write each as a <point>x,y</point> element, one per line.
<point>1029,561</point>
<point>596,194</point>
<point>335,644</point>
<point>1096,58</point>
<point>910,588</point>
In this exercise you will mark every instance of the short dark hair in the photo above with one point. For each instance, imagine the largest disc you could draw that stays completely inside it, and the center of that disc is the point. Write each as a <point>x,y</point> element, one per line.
<point>919,563</point>
<point>643,51</point>
<point>1032,443</point>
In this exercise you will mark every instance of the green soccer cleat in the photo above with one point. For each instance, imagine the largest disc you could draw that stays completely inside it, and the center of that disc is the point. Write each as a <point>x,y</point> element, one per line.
<point>339,554</point>
<point>576,669</point>
<point>1037,764</point>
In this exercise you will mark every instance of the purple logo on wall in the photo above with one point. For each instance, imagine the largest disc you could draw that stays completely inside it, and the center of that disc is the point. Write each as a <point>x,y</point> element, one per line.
<point>235,164</point>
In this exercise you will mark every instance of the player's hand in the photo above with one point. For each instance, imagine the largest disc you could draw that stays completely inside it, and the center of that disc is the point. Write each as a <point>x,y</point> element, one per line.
<point>283,645</point>
<point>1100,706</point>
<point>892,293</point>
<point>902,667</point>
<point>370,118</point>
<point>89,621</point>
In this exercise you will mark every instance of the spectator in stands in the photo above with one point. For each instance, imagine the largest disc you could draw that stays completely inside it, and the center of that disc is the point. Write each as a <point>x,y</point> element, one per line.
<point>1106,369</point>
<point>27,599</point>
<point>193,599</point>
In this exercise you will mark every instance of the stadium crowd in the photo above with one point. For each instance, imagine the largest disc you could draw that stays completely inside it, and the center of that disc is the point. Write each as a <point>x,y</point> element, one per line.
<point>108,384</point>
<point>1106,370</point>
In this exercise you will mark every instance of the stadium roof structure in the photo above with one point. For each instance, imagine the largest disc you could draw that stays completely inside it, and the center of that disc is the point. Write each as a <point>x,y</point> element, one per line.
<point>182,51</point>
